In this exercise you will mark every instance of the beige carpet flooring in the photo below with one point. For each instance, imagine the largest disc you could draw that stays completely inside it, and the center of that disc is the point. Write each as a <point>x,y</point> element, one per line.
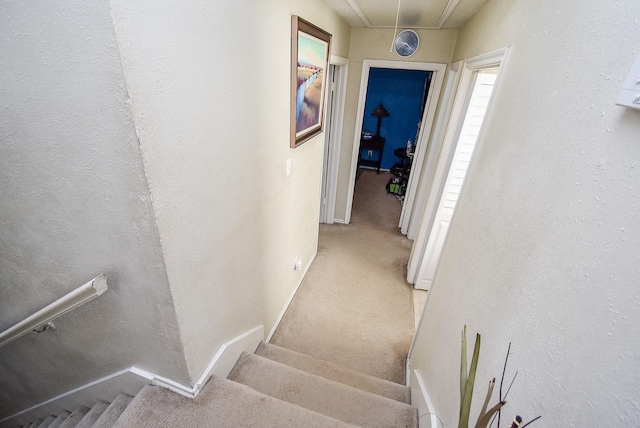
<point>354,307</point>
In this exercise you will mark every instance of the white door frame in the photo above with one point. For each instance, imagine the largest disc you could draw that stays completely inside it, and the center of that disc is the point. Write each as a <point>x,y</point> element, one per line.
<point>333,140</point>
<point>410,226</point>
<point>425,129</point>
<point>471,66</point>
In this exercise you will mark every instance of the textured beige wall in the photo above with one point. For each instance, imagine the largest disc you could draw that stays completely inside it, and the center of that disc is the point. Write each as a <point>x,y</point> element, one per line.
<point>209,84</point>
<point>366,43</point>
<point>543,249</point>
<point>74,203</point>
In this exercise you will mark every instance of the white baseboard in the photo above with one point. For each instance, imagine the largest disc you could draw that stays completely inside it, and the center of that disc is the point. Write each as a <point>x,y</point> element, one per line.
<point>106,388</point>
<point>427,417</point>
<point>295,290</point>
<point>133,379</point>
<point>228,355</point>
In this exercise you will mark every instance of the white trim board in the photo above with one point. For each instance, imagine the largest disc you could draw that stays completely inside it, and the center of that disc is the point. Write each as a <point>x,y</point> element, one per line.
<point>293,293</point>
<point>330,177</point>
<point>133,379</point>
<point>427,417</point>
<point>445,145</point>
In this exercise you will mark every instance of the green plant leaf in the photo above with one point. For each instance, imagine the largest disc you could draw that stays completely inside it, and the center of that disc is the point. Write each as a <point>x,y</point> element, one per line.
<point>483,421</point>
<point>468,391</point>
<point>463,366</point>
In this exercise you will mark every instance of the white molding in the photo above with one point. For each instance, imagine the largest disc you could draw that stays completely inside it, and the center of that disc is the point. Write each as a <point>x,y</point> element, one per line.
<point>493,59</point>
<point>133,379</point>
<point>295,290</point>
<point>487,60</point>
<point>446,13</point>
<point>333,156</point>
<point>427,122</point>
<point>338,60</point>
<point>427,417</point>
<point>228,354</point>
<point>435,147</point>
<point>360,13</point>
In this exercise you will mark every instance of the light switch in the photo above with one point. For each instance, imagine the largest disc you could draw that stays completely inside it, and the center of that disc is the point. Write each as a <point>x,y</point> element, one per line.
<point>630,94</point>
<point>288,167</point>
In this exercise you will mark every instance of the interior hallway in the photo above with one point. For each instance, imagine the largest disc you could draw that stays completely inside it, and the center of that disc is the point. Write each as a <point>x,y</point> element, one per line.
<point>354,307</point>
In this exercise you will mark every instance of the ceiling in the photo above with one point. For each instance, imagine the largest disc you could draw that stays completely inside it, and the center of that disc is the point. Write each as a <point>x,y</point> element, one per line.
<point>413,13</point>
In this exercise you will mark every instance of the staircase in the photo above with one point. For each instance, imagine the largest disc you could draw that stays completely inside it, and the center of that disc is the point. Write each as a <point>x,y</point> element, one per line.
<point>274,387</point>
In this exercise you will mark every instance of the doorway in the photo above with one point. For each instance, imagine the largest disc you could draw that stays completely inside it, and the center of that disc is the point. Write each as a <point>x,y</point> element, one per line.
<point>471,103</point>
<point>426,120</point>
<point>336,93</point>
<point>394,106</point>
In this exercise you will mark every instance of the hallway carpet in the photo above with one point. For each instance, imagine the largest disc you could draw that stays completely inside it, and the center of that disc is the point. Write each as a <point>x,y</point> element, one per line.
<point>354,307</point>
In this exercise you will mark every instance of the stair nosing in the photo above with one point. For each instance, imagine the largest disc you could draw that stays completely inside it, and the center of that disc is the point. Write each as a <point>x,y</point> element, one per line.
<point>364,395</point>
<point>378,385</point>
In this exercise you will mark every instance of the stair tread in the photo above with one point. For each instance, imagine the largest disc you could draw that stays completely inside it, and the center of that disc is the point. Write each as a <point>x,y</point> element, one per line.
<point>340,401</point>
<point>75,417</point>
<point>59,420</point>
<point>92,416</point>
<point>113,411</point>
<point>335,372</point>
<point>221,403</point>
<point>47,422</point>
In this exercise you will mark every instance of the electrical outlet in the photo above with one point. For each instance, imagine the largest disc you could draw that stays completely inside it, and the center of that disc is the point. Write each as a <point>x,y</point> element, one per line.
<point>297,263</point>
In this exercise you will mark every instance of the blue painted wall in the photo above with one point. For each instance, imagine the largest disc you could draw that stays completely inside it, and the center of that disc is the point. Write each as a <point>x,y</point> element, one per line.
<point>401,92</point>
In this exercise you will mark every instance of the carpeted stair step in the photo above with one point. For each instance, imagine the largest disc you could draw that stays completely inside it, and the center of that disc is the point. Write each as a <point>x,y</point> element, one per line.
<point>92,416</point>
<point>334,399</point>
<point>334,372</point>
<point>222,403</point>
<point>109,417</point>
<point>59,420</point>
<point>75,417</point>
<point>48,421</point>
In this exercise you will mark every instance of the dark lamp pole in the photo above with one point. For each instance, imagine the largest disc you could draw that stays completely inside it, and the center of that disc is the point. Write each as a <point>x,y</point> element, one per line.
<point>380,112</point>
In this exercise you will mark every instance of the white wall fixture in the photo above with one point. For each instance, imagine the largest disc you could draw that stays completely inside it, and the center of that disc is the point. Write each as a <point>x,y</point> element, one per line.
<point>66,303</point>
<point>630,93</point>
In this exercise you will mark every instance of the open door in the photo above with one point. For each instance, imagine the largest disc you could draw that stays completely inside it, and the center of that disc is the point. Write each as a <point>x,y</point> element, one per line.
<point>336,94</point>
<point>465,146</point>
<point>471,102</point>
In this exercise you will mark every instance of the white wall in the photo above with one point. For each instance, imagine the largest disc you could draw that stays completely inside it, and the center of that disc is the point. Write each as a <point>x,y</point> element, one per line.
<point>209,83</point>
<point>373,43</point>
<point>544,247</point>
<point>74,203</point>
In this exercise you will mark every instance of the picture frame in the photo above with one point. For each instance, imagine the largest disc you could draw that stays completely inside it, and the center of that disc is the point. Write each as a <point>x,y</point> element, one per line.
<point>310,47</point>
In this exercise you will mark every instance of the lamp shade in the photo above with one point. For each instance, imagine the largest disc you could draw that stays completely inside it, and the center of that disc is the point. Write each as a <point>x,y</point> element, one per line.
<point>380,111</point>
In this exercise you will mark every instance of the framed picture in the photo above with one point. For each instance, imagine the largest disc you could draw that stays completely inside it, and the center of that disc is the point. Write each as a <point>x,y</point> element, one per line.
<point>309,62</point>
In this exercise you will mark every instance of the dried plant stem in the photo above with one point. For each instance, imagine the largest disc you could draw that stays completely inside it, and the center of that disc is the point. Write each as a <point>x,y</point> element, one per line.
<point>504,369</point>
<point>510,385</point>
<point>531,421</point>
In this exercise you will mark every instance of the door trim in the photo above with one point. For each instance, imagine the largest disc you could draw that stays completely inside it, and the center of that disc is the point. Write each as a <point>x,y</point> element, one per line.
<point>333,138</point>
<point>434,146</point>
<point>469,67</point>
<point>427,118</point>
<point>494,59</point>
